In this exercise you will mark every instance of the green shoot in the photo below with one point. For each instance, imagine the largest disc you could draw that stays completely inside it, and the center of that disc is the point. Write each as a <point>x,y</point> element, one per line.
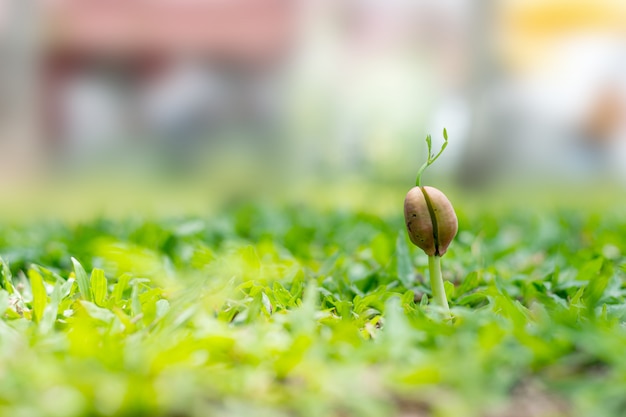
<point>431,157</point>
<point>436,283</point>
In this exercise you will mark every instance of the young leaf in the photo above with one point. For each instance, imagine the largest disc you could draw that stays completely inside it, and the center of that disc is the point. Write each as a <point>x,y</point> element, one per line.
<point>7,277</point>
<point>404,268</point>
<point>162,307</point>
<point>135,303</point>
<point>50,312</point>
<point>595,289</point>
<point>450,289</point>
<point>40,298</point>
<point>471,282</point>
<point>82,279</point>
<point>120,287</point>
<point>98,313</point>
<point>590,270</point>
<point>431,158</point>
<point>4,301</point>
<point>99,287</point>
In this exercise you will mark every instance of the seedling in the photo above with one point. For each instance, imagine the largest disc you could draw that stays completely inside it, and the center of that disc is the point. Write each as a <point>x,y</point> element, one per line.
<point>431,222</point>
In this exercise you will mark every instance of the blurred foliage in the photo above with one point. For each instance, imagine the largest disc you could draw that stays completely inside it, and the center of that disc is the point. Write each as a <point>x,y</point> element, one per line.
<point>304,311</point>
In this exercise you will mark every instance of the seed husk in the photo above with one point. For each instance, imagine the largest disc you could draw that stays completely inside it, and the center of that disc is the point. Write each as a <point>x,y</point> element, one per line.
<point>430,220</point>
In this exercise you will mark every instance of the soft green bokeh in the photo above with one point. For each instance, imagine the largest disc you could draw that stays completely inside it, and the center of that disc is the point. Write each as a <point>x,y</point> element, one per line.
<point>304,310</point>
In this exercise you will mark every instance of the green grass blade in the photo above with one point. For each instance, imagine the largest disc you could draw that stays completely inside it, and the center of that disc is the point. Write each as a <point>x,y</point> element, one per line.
<point>119,288</point>
<point>40,298</point>
<point>99,287</point>
<point>7,277</point>
<point>82,279</point>
<point>404,268</point>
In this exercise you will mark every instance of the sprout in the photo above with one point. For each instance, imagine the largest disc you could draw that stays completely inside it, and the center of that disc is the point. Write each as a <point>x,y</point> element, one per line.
<point>431,223</point>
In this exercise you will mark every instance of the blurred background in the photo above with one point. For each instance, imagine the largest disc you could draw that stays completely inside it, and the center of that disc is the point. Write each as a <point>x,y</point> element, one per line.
<point>296,91</point>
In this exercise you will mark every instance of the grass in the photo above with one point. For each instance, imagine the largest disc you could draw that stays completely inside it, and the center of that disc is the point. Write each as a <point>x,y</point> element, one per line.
<point>299,310</point>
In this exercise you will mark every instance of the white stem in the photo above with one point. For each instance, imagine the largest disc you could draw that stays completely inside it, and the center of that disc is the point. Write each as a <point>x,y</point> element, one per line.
<point>436,282</point>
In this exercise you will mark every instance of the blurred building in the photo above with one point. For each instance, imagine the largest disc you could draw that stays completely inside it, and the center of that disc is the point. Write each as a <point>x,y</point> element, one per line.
<point>166,72</point>
<point>525,88</point>
<point>548,98</point>
<point>18,89</point>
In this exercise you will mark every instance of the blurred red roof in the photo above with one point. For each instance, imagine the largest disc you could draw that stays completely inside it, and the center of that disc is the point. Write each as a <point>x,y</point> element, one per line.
<point>239,28</point>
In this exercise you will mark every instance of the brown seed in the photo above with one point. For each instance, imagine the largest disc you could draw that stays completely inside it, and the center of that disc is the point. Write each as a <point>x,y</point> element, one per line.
<point>430,220</point>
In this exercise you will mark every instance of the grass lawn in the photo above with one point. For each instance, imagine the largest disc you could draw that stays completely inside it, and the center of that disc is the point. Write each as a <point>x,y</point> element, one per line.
<point>303,310</point>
